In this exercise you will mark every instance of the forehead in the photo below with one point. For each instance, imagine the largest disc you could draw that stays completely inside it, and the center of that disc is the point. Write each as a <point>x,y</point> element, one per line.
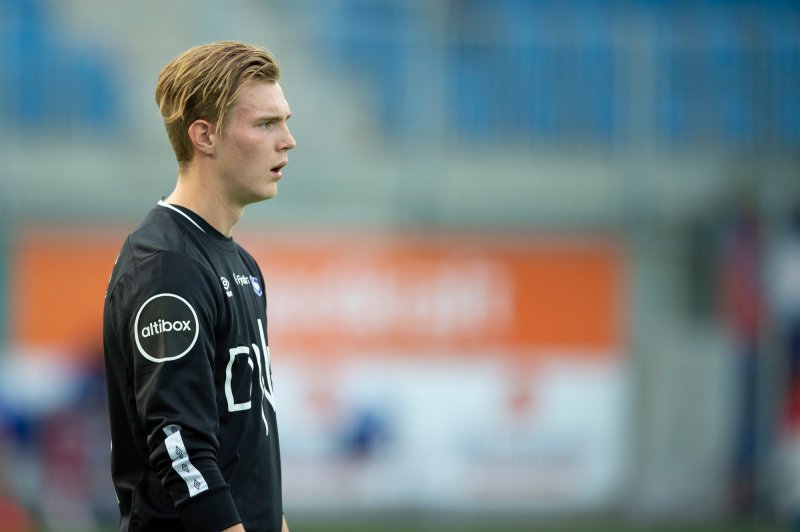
<point>258,98</point>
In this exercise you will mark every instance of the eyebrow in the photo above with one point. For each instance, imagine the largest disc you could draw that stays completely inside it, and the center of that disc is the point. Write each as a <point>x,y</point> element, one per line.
<point>274,117</point>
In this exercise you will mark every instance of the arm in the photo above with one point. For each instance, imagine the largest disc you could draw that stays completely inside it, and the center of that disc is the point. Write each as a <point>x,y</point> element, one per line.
<point>172,310</point>
<point>285,526</point>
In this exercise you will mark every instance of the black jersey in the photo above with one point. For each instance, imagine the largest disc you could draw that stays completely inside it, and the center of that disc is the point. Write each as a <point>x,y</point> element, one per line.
<point>193,431</point>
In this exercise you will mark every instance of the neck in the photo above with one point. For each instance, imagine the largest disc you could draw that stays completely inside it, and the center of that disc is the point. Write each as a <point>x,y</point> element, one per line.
<point>207,201</point>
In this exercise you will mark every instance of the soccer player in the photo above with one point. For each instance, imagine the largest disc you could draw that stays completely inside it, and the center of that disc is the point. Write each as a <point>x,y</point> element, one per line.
<point>194,437</point>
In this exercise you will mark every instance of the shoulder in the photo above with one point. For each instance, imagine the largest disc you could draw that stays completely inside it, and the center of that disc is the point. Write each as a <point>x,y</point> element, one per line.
<point>160,247</point>
<point>167,284</point>
<point>160,267</point>
<point>158,232</point>
<point>167,268</point>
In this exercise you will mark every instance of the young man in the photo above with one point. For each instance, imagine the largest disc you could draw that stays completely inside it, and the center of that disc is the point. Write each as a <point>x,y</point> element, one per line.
<point>194,438</point>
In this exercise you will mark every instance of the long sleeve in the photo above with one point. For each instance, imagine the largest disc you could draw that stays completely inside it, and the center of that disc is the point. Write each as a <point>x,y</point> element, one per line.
<point>172,307</point>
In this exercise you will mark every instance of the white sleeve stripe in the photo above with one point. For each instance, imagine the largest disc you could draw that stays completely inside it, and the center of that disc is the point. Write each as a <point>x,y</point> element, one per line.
<point>181,463</point>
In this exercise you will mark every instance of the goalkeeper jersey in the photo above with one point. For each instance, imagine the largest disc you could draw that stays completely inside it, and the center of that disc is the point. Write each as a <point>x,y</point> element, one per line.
<point>193,428</point>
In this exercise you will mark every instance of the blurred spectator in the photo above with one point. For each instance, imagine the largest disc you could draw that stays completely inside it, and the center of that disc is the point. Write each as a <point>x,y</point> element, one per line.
<point>743,312</point>
<point>13,517</point>
<point>65,479</point>
<point>784,277</point>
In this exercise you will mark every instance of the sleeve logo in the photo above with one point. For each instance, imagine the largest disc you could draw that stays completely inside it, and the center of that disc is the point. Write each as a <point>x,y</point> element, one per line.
<point>166,328</point>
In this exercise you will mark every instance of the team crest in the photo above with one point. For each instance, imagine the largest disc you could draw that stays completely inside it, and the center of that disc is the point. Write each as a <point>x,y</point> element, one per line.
<point>256,286</point>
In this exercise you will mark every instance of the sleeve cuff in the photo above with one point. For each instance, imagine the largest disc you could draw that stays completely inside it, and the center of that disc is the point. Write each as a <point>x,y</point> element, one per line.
<point>210,512</point>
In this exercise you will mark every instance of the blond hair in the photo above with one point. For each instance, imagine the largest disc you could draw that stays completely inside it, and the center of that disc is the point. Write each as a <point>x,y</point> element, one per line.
<point>203,82</point>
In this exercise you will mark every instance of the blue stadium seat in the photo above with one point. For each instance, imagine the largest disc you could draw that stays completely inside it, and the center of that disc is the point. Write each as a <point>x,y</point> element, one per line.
<point>373,39</point>
<point>730,72</point>
<point>49,85</point>
<point>503,79</point>
<point>595,76</point>
<point>781,27</point>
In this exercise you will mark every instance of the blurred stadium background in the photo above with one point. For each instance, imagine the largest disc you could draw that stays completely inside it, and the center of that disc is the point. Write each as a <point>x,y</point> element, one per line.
<point>535,265</point>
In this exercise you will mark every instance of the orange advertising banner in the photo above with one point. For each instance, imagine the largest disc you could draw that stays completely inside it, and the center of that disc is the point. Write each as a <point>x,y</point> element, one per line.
<point>457,293</point>
<point>362,293</point>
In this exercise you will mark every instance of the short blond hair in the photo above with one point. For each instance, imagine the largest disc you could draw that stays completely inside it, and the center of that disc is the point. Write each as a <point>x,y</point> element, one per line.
<point>203,82</point>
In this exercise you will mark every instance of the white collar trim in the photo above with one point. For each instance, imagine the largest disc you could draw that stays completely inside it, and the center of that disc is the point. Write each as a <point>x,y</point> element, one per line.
<point>168,206</point>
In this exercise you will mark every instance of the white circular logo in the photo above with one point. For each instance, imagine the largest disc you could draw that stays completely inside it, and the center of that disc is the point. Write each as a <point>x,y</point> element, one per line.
<point>165,328</point>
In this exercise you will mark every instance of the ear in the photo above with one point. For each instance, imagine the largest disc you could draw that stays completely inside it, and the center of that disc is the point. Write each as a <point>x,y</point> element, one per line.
<point>203,135</point>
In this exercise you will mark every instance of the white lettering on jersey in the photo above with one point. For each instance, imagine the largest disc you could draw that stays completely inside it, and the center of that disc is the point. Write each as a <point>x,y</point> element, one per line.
<point>161,326</point>
<point>270,396</point>
<point>264,376</point>
<point>233,406</point>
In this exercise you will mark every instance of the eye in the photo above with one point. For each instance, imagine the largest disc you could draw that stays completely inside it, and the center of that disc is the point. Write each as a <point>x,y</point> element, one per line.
<point>267,124</point>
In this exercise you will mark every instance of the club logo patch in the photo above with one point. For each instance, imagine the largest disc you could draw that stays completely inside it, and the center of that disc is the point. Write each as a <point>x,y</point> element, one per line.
<point>165,328</point>
<point>256,286</point>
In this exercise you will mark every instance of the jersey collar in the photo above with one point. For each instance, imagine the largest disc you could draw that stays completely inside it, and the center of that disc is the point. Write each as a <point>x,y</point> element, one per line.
<point>196,220</point>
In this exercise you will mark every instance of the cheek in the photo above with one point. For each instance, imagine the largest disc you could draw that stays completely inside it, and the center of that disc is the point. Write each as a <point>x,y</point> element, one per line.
<point>251,148</point>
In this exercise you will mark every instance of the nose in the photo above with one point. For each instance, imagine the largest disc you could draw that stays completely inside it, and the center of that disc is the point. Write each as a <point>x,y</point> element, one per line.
<point>288,142</point>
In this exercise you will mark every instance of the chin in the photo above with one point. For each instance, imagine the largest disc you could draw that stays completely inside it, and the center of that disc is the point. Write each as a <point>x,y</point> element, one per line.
<point>259,196</point>
<point>270,193</point>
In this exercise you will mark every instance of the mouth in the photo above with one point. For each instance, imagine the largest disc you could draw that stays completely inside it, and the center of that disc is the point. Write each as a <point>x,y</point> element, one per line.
<point>276,170</point>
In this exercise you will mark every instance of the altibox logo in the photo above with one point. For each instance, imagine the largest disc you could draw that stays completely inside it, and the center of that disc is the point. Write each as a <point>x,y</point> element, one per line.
<point>161,326</point>
<point>165,328</point>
